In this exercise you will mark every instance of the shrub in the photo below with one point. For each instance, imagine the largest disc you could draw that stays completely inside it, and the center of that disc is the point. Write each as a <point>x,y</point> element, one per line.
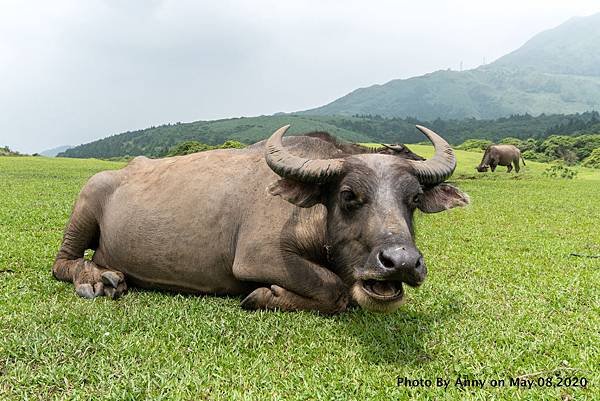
<point>536,157</point>
<point>187,147</point>
<point>474,144</point>
<point>585,145</point>
<point>559,170</point>
<point>560,147</point>
<point>530,144</point>
<point>593,160</point>
<point>512,141</point>
<point>232,145</point>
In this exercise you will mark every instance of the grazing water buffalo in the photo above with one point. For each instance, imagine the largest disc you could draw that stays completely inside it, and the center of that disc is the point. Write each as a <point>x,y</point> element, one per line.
<point>500,155</point>
<point>318,226</point>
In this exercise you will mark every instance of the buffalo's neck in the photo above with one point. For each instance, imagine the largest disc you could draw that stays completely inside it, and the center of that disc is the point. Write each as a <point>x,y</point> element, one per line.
<point>486,158</point>
<point>304,233</point>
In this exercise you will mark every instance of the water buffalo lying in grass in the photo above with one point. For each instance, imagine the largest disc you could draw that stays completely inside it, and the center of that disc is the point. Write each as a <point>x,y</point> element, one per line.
<point>301,224</point>
<point>500,155</point>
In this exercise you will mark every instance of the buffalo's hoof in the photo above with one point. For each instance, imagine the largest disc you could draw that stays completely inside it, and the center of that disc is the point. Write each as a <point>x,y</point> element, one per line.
<point>257,299</point>
<point>94,281</point>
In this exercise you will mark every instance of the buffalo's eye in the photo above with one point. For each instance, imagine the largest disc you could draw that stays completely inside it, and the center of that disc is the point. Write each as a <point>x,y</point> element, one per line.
<point>416,199</point>
<point>349,199</point>
<point>348,196</point>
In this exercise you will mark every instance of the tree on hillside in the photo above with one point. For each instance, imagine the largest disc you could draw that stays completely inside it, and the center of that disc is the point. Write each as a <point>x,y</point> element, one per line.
<point>232,145</point>
<point>6,151</point>
<point>512,141</point>
<point>187,147</point>
<point>474,144</point>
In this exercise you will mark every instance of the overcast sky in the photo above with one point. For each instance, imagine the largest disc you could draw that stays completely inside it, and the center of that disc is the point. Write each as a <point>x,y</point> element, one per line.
<point>75,71</point>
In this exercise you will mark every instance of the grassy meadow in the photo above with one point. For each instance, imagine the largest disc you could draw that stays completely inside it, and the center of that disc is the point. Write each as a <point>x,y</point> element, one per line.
<point>503,300</point>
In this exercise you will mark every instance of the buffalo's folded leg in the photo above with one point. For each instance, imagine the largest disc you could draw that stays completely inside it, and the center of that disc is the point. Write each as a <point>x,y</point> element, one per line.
<point>90,280</point>
<point>297,284</point>
<point>280,298</point>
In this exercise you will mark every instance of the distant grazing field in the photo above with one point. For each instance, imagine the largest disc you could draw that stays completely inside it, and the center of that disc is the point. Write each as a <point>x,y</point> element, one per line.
<point>503,300</point>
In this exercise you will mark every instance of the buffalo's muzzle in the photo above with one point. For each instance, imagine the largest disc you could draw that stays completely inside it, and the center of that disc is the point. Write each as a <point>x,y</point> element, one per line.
<point>379,282</point>
<point>399,263</point>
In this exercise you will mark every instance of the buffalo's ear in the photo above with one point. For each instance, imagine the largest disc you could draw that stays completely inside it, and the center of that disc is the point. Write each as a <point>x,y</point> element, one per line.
<point>442,197</point>
<point>298,193</point>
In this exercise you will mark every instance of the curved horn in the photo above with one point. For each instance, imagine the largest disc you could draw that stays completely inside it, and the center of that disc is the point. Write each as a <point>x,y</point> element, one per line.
<point>441,166</point>
<point>298,168</point>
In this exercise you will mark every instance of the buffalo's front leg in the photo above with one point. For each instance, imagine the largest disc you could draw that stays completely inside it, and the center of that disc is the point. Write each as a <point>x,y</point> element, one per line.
<point>297,285</point>
<point>280,298</point>
<point>90,279</point>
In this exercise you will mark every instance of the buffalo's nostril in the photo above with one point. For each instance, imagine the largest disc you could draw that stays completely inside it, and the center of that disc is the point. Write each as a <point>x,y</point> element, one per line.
<point>420,266</point>
<point>386,261</point>
<point>394,258</point>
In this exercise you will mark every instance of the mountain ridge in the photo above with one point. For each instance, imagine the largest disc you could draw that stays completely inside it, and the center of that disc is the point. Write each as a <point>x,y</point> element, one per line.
<point>576,35</point>
<point>55,151</point>
<point>556,71</point>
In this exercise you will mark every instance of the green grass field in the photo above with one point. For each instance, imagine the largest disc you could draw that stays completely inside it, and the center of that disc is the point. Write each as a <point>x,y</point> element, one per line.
<point>503,299</point>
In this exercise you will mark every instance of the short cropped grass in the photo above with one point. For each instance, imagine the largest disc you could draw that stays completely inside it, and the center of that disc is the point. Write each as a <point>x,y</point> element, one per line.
<point>503,300</point>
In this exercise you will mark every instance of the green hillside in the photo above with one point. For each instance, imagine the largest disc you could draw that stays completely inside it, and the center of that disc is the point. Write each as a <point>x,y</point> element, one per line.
<point>156,141</point>
<point>557,71</point>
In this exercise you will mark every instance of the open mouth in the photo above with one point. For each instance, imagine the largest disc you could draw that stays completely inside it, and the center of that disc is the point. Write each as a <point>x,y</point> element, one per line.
<point>383,290</point>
